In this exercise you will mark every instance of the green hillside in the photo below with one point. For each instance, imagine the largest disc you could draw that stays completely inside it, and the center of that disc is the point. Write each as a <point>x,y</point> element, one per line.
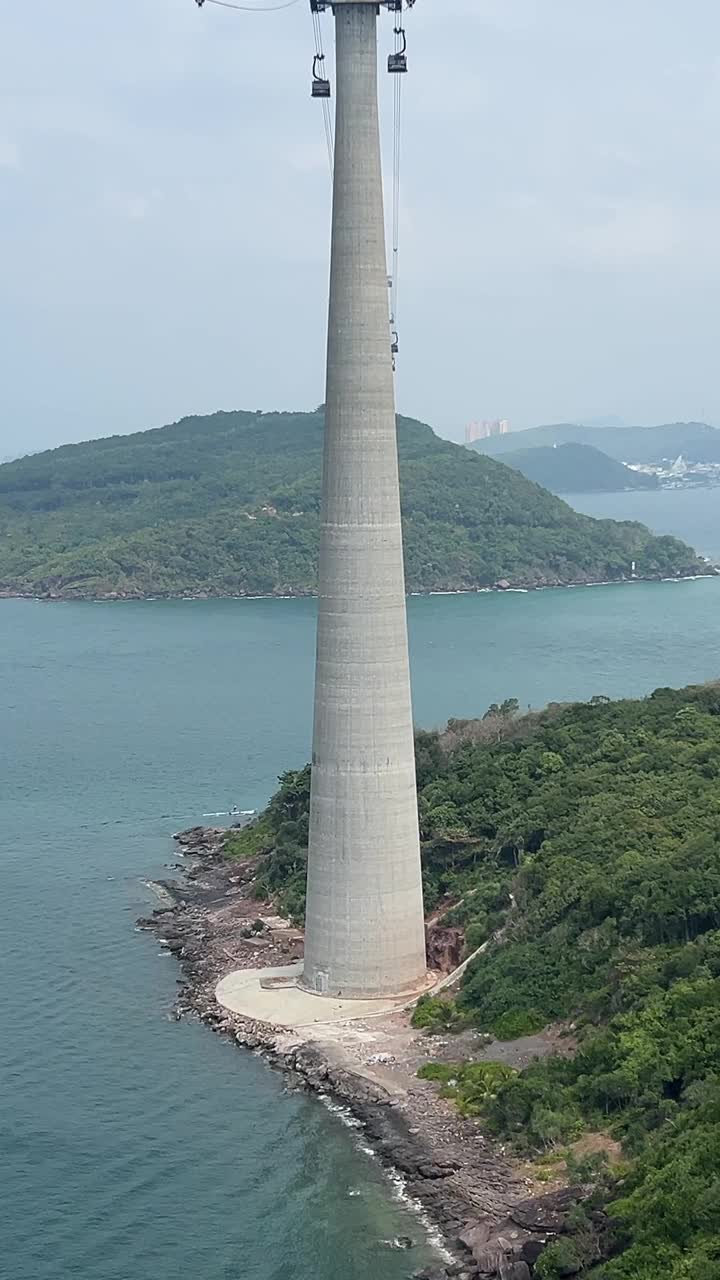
<point>576,468</point>
<point>584,841</point>
<point>696,441</point>
<point>229,505</point>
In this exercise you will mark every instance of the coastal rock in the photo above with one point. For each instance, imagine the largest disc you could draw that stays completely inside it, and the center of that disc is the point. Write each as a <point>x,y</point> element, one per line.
<point>549,1212</point>
<point>489,1262</point>
<point>192,835</point>
<point>399,1242</point>
<point>432,1171</point>
<point>531,1251</point>
<point>497,1266</point>
<point>203,842</point>
<point>450,1271</point>
<point>514,1271</point>
<point>476,1235</point>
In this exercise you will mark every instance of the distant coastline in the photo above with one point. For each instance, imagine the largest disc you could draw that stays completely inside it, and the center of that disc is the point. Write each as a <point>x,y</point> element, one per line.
<point>661,488</point>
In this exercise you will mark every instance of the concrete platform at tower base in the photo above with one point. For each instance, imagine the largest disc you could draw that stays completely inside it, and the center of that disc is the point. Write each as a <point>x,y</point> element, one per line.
<point>282,1003</point>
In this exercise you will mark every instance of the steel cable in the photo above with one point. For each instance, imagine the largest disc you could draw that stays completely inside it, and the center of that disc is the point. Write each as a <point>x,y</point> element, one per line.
<point>326,109</point>
<point>250,8</point>
<point>397,139</point>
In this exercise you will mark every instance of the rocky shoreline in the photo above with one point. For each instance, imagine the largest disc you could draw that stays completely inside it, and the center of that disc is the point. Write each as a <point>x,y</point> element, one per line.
<point>485,1207</point>
<point>503,585</point>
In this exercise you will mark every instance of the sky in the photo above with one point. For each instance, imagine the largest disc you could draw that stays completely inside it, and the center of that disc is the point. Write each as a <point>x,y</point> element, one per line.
<point>165,203</point>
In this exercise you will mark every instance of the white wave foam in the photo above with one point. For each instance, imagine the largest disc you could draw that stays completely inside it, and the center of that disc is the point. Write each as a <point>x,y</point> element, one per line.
<point>398,1183</point>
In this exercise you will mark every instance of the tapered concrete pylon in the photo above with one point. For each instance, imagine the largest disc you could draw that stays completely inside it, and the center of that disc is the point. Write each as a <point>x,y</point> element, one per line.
<point>364,928</point>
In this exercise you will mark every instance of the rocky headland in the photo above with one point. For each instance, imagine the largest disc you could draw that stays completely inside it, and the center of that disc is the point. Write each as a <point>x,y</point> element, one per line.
<point>493,1216</point>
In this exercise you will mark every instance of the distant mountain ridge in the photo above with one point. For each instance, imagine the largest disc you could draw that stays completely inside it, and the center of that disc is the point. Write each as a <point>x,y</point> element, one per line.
<point>696,441</point>
<point>576,468</point>
<point>228,505</point>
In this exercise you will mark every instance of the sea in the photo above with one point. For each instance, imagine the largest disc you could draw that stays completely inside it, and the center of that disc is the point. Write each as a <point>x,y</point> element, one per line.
<point>137,1148</point>
<point>691,514</point>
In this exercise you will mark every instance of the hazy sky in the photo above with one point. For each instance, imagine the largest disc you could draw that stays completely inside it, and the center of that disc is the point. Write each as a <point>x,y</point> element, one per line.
<point>164,213</point>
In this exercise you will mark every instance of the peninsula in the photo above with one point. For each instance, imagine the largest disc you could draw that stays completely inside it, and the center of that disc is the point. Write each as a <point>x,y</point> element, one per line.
<point>556,1108</point>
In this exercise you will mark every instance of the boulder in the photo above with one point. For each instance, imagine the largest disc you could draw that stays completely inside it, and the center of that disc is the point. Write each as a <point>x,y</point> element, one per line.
<point>489,1260</point>
<point>432,1171</point>
<point>531,1251</point>
<point>475,1236</point>
<point>203,841</point>
<point>450,1271</point>
<point>511,1269</point>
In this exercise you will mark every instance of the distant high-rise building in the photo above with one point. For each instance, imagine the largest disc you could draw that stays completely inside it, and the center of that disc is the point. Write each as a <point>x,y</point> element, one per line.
<point>484,430</point>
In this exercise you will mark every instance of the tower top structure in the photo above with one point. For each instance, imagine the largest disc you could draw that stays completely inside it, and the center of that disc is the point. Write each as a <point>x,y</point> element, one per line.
<point>395,6</point>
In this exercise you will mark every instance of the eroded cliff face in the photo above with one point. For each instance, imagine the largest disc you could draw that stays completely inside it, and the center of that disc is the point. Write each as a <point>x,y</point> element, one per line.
<point>444,947</point>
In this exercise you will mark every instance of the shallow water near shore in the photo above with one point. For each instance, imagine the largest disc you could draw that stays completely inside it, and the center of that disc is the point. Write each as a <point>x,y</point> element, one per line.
<point>135,1148</point>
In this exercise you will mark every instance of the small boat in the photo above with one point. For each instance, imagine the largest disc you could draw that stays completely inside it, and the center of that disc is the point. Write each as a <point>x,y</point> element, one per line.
<point>234,813</point>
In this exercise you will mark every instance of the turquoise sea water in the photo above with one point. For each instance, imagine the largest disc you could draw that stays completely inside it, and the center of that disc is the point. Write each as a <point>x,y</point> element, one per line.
<point>135,1148</point>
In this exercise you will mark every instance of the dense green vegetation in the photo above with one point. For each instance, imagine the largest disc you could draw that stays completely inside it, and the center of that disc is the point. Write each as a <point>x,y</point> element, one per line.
<point>472,1085</point>
<point>229,505</point>
<point>695,440</point>
<point>576,468</point>
<point>584,842</point>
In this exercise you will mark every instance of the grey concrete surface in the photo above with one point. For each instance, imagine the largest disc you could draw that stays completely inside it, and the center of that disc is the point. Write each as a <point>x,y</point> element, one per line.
<point>365,930</point>
<point>290,1005</point>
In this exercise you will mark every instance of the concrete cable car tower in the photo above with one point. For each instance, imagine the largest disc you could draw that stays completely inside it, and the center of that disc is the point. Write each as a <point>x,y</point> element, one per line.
<point>365,934</point>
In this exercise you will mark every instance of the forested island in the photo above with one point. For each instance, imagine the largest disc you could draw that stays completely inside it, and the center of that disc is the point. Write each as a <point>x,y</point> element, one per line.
<point>581,844</point>
<point>228,505</point>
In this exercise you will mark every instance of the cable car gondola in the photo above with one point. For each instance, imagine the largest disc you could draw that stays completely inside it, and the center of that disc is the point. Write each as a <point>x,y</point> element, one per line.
<point>397,62</point>
<point>320,86</point>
